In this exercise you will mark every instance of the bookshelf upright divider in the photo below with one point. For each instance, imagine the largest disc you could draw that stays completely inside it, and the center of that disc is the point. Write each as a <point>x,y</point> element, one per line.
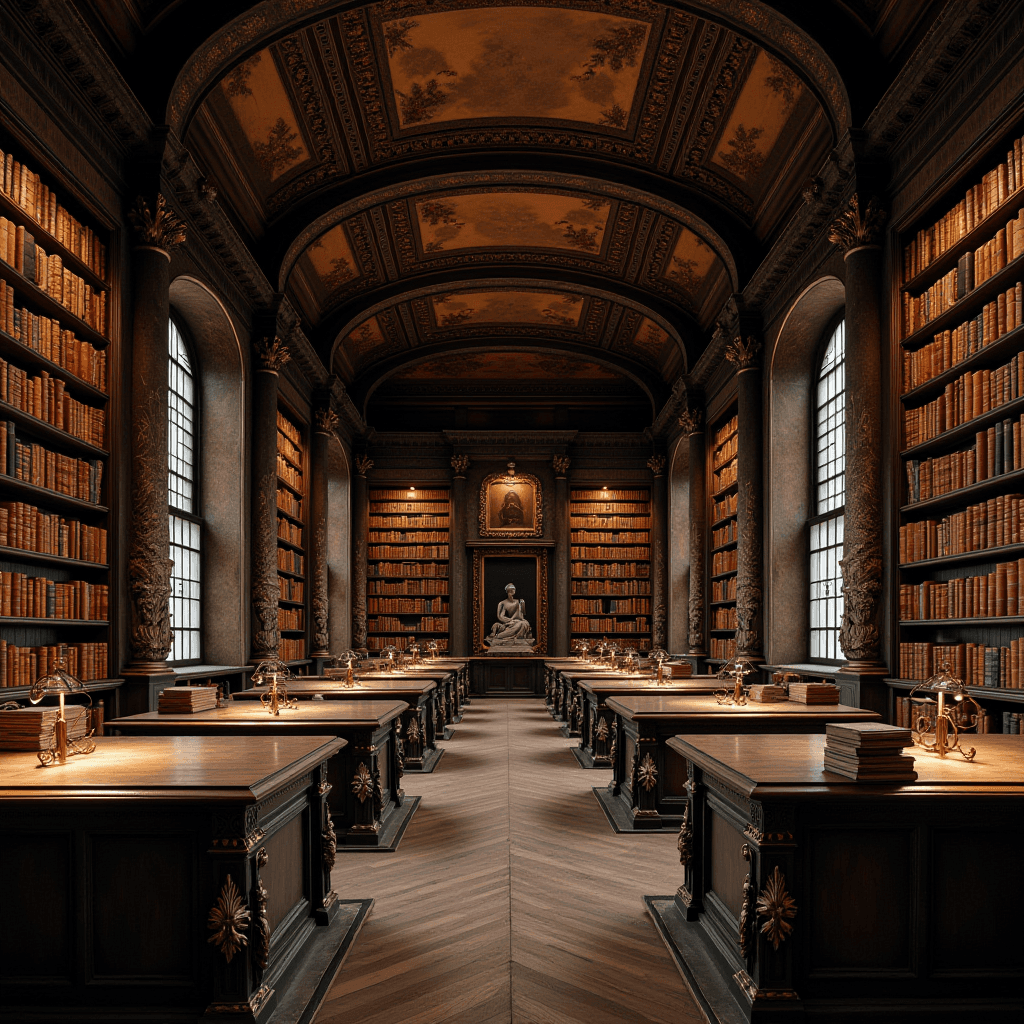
<point>723,536</point>
<point>292,459</point>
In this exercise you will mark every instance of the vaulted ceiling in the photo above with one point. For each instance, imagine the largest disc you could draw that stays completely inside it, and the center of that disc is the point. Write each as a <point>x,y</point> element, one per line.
<point>519,200</point>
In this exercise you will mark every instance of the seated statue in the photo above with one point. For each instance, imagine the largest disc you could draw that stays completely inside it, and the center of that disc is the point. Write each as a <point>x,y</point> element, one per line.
<point>511,629</point>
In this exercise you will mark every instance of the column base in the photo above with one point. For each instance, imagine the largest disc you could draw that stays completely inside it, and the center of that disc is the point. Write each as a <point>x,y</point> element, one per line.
<point>142,684</point>
<point>861,685</point>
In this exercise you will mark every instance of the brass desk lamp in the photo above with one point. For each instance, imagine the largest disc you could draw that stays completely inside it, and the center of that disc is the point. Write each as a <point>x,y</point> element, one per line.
<point>61,682</point>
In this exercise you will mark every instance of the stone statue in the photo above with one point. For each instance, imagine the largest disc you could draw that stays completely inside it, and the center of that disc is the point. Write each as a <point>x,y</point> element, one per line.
<point>511,631</point>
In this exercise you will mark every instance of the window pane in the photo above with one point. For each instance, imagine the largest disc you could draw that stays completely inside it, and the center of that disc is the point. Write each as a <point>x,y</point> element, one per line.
<point>180,421</point>
<point>186,607</point>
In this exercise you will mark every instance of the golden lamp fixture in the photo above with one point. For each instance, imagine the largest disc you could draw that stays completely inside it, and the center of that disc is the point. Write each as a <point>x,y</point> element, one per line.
<point>660,656</point>
<point>61,682</point>
<point>735,670</point>
<point>432,646</point>
<point>941,713</point>
<point>631,662</point>
<point>271,673</point>
<point>346,660</point>
<point>389,658</point>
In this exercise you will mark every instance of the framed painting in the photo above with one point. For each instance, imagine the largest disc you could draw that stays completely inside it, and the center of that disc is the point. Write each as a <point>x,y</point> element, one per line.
<point>511,505</point>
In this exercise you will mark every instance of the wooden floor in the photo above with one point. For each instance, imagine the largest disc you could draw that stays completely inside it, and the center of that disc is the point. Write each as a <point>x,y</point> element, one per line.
<point>510,899</point>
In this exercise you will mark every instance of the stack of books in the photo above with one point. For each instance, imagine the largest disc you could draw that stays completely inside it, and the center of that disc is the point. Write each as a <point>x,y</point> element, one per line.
<point>767,693</point>
<point>184,700</point>
<point>814,693</point>
<point>32,728</point>
<point>869,752</point>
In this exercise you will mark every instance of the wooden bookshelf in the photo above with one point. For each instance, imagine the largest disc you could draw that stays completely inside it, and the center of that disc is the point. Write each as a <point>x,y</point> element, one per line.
<point>55,580</point>
<point>722,536</point>
<point>292,607</point>
<point>610,556</point>
<point>407,553</point>
<point>960,362</point>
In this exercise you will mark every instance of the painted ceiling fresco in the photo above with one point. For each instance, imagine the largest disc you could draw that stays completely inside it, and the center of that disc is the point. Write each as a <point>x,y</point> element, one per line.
<point>468,308</point>
<point>514,62</point>
<point>506,366</point>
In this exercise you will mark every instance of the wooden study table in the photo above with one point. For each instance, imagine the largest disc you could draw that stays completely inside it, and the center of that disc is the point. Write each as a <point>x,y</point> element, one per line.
<point>369,808</point>
<point>643,725</point>
<point>568,701</point>
<point>419,738</point>
<point>899,900</point>
<point>552,666</point>
<point>598,740</point>
<point>117,862</point>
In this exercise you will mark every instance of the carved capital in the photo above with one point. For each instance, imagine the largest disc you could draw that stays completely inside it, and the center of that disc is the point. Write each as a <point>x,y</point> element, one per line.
<point>692,421</point>
<point>325,420</point>
<point>363,464</point>
<point>561,464</point>
<point>162,230</point>
<point>855,229</point>
<point>743,353</point>
<point>271,353</point>
<point>656,464</point>
<point>460,464</point>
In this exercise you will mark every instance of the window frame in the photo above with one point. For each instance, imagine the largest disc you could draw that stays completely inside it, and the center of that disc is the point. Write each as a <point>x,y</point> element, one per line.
<point>195,515</point>
<point>816,518</point>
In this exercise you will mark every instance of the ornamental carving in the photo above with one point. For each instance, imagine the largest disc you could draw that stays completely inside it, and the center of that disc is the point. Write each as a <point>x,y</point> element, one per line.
<point>561,464</point>
<point>854,229</point>
<point>325,420</point>
<point>362,783</point>
<point>684,842</point>
<point>748,579</point>
<point>363,464</point>
<point>460,464</point>
<point>265,591</point>
<point>511,505</point>
<point>328,843</point>
<point>656,464</point>
<point>319,604</point>
<point>229,920</point>
<point>164,230</point>
<point>271,354</point>
<point>647,773</point>
<point>743,353</point>
<point>692,421</point>
<point>746,909</point>
<point>695,605</point>
<point>777,907</point>
<point>261,929</point>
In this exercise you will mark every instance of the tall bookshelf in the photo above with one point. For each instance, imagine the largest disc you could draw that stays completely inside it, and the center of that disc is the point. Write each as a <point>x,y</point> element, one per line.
<point>610,556</point>
<point>723,537</point>
<point>407,567</point>
<point>54,341</point>
<point>292,461</point>
<point>961,373</point>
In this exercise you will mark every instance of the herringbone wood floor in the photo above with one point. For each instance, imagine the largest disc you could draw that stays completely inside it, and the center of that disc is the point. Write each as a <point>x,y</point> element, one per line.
<point>510,899</point>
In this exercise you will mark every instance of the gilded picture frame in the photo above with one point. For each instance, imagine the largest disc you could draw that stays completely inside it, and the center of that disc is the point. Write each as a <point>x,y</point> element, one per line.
<point>511,506</point>
<point>537,601</point>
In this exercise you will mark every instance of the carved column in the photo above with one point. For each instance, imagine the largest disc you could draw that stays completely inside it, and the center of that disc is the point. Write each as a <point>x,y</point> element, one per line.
<point>324,421</point>
<point>458,620</point>
<point>561,596</point>
<point>744,354</point>
<point>859,234</point>
<point>156,232</point>
<point>659,552</point>
<point>360,514</point>
<point>692,422</point>
<point>269,355</point>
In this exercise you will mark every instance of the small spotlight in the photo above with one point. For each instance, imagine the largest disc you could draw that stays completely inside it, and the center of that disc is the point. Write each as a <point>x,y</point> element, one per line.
<point>411,489</point>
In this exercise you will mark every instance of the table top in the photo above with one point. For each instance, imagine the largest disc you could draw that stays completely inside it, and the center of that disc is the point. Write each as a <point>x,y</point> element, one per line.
<point>694,685</point>
<point>206,768</point>
<point>308,716</point>
<point>393,687</point>
<point>766,764</point>
<point>422,672</point>
<point>673,706</point>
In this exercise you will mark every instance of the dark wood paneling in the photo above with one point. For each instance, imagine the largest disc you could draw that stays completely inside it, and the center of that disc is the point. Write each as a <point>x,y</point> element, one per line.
<point>283,872</point>
<point>729,867</point>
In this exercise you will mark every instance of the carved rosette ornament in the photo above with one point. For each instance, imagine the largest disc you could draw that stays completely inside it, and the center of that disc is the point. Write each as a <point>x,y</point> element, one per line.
<point>229,921</point>
<point>647,773</point>
<point>561,464</point>
<point>746,909</point>
<point>692,421</point>
<point>261,928</point>
<point>460,464</point>
<point>362,783</point>
<point>857,229</point>
<point>656,464</point>
<point>744,353</point>
<point>271,354</point>
<point>363,464</point>
<point>319,601</point>
<point>325,420</point>
<point>778,907</point>
<point>163,230</point>
<point>266,637</point>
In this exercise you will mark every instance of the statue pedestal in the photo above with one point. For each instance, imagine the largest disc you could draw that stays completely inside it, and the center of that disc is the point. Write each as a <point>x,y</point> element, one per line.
<point>517,651</point>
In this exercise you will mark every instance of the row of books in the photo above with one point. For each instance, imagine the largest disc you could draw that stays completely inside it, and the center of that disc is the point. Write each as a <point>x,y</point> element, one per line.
<point>289,474</point>
<point>290,590</point>
<point>413,569</point>
<point>723,618</point>
<point>287,448</point>
<point>407,551</point>
<point>289,531</point>
<point>290,618</point>
<point>420,507</point>
<point>289,503</point>
<point>398,522</point>
<point>291,650</point>
<point>721,648</point>
<point>606,495</point>
<point>615,570</point>
<point>36,597</point>
<point>725,534</point>
<point>993,594</point>
<point>726,430</point>
<point>409,494</point>
<point>619,551</point>
<point>975,664</point>
<point>726,453</point>
<point>46,336</point>
<point>289,429</point>
<point>633,522</point>
<point>725,477</point>
<point>378,643</point>
<point>30,529</point>
<point>995,451</point>
<point>33,728</point>
<point>971,395</point>
<point>622,508</point>
<point>724,561</point>
<point>610,537</point>
<point>407,605</point>
<point>633,606</point>
<point>582,625</point>
<point>428,624</point>
<point>407,587</point>
<point>1011,721</point>
<point>988,524</point>
<point>36,465</point>
<point>290,561</point>
<point>973,269</point>
<point>45,398</point>
<point>594,588</point>
<point>18,249</point>
<point>22,666</point>
<point>27,191</point>
<point>724,507</point>
<point>408,536</point>
<point>723,590</point>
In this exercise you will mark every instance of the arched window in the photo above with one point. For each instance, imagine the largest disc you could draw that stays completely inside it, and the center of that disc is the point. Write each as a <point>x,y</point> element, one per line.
<point>826,524</point>
<point>183,502</point>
